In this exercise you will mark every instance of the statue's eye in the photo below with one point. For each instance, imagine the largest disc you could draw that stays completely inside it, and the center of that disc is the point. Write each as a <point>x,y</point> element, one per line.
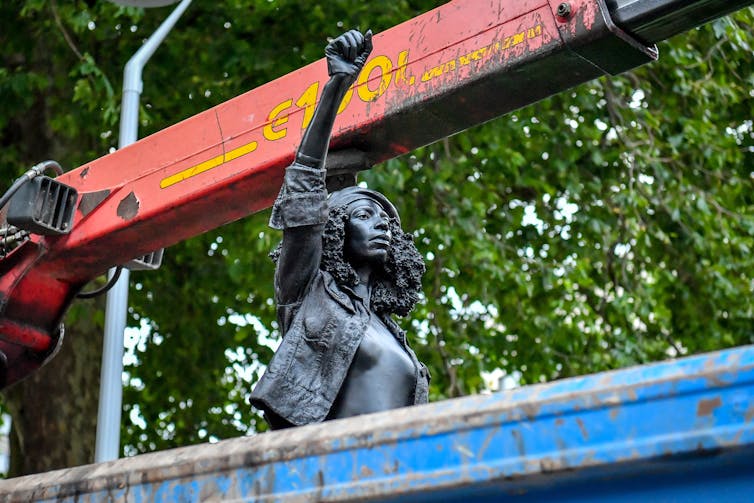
<point>362,215</point>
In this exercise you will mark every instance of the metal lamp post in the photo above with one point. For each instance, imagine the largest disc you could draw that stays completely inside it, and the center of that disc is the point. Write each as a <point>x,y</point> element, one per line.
<point>111,386</point>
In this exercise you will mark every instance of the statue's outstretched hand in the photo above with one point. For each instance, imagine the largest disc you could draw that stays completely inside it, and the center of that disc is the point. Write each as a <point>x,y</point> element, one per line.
<point>347,53</point>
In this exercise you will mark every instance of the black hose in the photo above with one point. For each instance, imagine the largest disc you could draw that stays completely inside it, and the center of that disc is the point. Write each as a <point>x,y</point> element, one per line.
<point>13,189</point>
<point>32,173</point>
<point>100,291</point>
<point>52,165</point>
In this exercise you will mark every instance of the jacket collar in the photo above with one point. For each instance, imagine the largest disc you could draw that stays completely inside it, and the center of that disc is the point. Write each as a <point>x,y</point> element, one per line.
<point>337,292</point>
<point>345,296</point>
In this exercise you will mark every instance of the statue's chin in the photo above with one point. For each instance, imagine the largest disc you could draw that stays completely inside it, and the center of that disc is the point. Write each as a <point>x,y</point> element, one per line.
<point>374,259</point>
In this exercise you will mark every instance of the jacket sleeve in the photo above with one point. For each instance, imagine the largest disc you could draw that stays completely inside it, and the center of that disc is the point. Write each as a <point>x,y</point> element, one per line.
<point>302,200</point>
<point>300,210</point>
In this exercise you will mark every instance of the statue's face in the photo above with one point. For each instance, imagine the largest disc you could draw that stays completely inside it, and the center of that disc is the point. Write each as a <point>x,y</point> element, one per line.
<point>367,233</point>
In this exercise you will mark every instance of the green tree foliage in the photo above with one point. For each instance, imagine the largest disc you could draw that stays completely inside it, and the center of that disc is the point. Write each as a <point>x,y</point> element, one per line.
<point>607,226</point>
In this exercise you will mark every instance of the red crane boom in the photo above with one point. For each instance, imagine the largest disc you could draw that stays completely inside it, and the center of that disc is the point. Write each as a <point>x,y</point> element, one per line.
<point>456,66</point>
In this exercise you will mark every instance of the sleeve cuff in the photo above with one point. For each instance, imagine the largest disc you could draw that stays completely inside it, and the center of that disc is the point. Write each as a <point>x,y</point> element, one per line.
<point>302,199</point>
<point>300,178</point>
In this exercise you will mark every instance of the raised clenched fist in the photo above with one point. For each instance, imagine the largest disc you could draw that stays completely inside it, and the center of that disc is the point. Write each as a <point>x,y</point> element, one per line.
<point>347,53</point>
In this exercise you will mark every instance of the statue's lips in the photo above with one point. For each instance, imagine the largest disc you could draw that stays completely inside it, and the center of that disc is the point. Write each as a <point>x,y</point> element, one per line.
<point>381,240</point>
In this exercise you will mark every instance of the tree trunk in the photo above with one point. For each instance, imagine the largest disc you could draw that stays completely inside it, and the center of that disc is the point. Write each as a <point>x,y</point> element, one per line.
<point>54,410</point>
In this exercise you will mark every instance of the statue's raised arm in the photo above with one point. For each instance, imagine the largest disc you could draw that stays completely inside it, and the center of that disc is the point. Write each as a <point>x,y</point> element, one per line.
<point>300,209</point>
<point>344,268</point>
<point>345,59</point>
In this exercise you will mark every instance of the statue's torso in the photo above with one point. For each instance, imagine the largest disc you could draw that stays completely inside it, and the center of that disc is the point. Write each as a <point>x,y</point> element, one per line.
<point>382,375</point>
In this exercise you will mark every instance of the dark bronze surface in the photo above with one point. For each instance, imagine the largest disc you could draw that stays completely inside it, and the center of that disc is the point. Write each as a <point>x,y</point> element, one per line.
<point>343,268</point>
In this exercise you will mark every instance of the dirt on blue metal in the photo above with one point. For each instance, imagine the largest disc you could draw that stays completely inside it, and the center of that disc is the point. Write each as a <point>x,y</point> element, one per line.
<point>665,427</point>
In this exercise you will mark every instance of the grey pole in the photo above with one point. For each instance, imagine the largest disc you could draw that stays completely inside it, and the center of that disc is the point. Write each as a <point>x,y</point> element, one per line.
<point>111,386</point>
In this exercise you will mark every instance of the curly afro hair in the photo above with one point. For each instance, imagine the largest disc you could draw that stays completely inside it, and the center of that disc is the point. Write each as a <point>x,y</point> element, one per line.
<point>396,286</point>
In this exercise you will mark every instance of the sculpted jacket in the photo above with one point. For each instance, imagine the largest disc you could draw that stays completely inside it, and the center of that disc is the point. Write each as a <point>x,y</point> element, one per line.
<point>323,323</point>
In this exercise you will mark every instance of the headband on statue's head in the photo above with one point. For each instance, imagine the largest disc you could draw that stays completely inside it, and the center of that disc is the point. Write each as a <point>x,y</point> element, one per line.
<point>344,197</point>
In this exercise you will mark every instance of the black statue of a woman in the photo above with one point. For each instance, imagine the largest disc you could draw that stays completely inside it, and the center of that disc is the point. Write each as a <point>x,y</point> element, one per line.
<point>343,268</point>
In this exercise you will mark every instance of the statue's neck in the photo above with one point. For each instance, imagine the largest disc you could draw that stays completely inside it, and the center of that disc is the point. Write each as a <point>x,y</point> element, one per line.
<point>364,272</point>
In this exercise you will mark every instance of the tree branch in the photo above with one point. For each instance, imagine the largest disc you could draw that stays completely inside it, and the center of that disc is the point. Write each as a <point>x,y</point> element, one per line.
<point>66,36</point>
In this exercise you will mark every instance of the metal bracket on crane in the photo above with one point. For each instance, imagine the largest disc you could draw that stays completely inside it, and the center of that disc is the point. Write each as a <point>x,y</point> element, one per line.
<point>588,30</point>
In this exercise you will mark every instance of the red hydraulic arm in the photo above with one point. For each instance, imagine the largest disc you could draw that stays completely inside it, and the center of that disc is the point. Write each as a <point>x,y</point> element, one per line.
<point>459,65</point>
